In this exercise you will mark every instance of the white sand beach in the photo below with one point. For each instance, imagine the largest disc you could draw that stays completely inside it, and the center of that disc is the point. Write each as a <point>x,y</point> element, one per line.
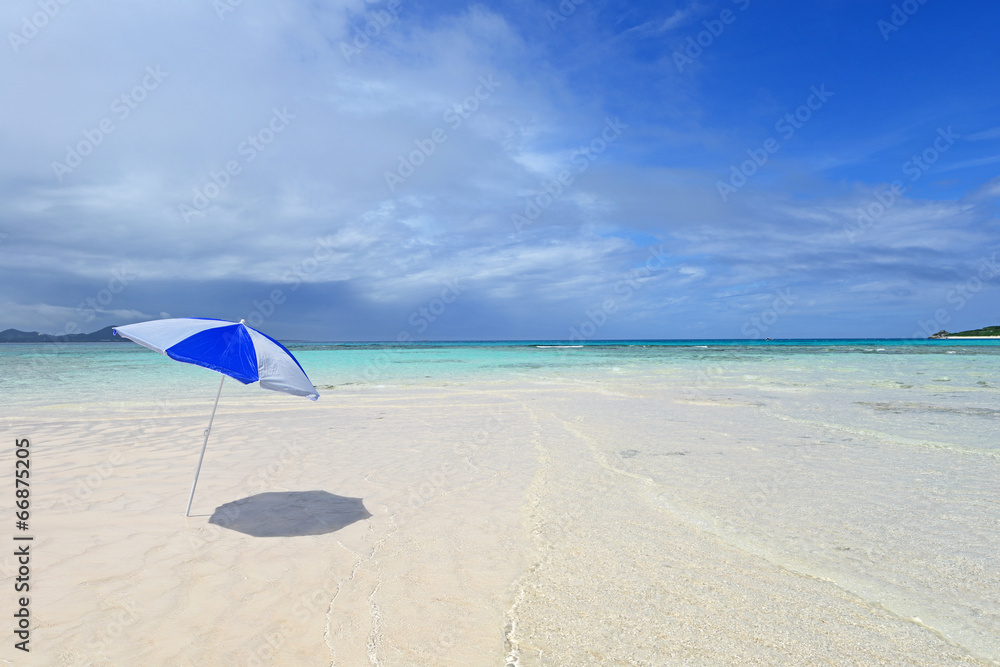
<point>532,523</point>
<point>970,337</point>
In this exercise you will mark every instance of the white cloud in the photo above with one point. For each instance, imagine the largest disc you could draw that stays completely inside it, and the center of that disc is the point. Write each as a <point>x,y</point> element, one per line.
<point>311,212</point>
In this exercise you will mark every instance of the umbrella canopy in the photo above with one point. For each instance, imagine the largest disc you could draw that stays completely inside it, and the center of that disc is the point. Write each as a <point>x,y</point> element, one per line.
<point>230,348</point>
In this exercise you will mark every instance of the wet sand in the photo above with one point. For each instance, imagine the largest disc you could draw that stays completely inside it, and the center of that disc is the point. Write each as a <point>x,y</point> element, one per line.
<point>524,523</point>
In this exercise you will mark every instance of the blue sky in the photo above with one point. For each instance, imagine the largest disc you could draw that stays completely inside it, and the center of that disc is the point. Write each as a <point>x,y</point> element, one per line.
<point>517,170</point>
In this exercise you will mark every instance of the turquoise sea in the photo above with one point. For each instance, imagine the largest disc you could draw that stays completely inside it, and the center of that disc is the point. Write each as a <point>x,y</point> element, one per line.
<point>947,389</point>
<point>113,372</point>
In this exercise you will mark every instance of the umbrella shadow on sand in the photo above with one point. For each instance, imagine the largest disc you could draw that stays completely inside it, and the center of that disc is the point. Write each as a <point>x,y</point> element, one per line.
<point>290,514</point>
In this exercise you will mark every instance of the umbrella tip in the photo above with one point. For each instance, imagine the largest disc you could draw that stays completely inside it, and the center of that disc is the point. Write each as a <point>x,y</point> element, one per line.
<point>243,321</point>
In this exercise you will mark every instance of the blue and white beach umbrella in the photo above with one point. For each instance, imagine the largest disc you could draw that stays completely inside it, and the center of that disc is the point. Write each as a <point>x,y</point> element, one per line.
<point>229,348</point>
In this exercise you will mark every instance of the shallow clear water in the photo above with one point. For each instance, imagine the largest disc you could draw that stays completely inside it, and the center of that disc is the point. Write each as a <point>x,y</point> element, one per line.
<point>112,372</point>
<point>872,464</point>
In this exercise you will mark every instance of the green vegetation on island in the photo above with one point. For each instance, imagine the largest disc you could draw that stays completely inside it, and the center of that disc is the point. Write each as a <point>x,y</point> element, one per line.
<point>985,331</point>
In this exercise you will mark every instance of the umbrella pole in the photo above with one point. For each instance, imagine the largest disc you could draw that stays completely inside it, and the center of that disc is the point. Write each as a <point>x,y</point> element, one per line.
<point>201,458</point>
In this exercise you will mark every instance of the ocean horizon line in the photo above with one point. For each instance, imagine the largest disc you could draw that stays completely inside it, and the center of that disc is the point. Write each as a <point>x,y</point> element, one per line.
<point>640,341</point>
<point>605,342</point>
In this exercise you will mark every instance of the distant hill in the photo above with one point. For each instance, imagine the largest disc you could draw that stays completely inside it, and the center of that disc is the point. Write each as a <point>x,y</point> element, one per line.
<point>985,331</point>
<point>104,335</point>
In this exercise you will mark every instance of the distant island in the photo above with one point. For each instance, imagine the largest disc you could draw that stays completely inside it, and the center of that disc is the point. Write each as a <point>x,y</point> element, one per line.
<point>104,335</point>
<point>985,332</point>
